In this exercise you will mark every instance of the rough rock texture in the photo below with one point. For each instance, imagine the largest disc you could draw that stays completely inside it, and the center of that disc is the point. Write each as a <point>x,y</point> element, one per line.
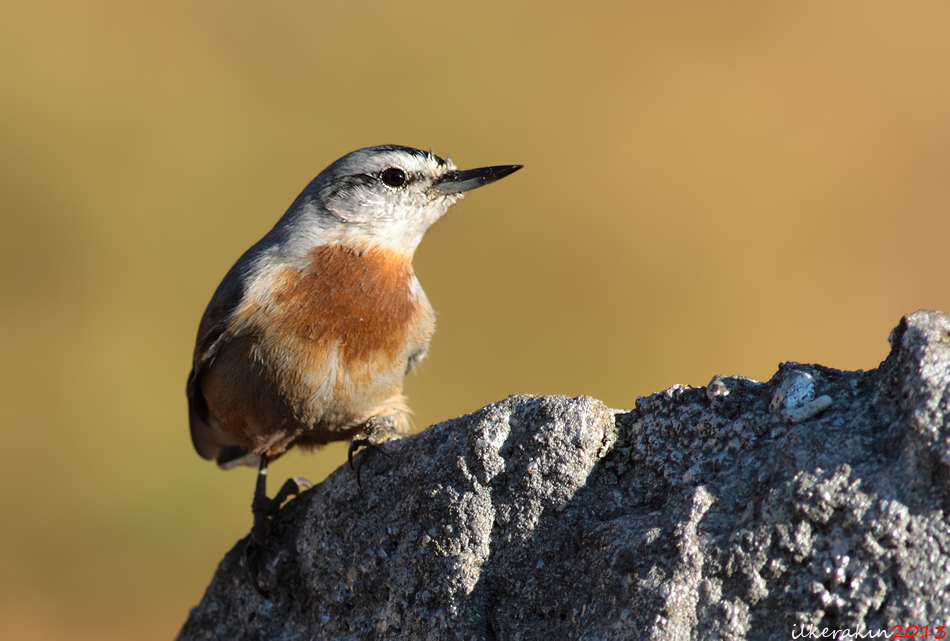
<point>738,510</point>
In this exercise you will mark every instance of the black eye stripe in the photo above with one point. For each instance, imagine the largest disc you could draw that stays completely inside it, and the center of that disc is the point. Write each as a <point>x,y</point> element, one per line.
<point>394,177</point>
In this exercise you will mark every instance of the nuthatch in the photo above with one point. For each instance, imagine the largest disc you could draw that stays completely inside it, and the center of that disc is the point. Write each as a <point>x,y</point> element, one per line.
<point>308,337</point>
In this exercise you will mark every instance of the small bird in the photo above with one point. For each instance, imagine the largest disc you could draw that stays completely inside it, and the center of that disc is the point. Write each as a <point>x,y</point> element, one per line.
<point>310,334</point>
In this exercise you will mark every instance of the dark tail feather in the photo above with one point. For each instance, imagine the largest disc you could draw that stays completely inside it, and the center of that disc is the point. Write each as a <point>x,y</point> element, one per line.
<point>232,456</point>
<point>209,442</point>
<point>203,437</point>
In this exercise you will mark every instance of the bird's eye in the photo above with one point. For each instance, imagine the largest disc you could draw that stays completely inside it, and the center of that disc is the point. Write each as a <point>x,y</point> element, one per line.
<point>394,177</point>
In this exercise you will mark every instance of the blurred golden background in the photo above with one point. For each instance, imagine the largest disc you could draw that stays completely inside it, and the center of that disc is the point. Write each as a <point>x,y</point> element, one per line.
<point>708,188</point>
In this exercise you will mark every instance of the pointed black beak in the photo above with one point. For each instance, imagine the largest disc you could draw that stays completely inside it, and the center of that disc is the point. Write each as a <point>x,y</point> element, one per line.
<point>453,182</point>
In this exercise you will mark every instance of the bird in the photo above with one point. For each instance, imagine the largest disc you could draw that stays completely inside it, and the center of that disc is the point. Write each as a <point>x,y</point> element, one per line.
<point>310,334</point>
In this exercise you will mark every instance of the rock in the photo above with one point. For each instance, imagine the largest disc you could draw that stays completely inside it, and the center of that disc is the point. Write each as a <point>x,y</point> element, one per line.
<point>741,510</point>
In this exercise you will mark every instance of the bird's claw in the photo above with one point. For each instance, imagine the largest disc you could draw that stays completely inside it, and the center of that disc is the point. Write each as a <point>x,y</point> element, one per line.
<point>355,445</point>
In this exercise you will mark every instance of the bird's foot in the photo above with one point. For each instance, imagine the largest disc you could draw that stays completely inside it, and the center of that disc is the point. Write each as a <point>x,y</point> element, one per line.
<point>375,430</point>
<point>371,447</point>
<point>264,510</point>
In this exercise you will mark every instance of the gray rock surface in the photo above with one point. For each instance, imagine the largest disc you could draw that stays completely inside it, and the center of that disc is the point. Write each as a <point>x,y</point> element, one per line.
<point>739,510</point>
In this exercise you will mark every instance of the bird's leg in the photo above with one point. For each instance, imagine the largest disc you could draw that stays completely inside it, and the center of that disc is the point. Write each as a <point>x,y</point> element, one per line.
<point>261,505</point>
<point>261,508</point>
<point>375,429</point>
<point>264,509</point>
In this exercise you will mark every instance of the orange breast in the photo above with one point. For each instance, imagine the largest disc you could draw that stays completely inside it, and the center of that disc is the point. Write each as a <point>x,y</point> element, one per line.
<point>360,298</point>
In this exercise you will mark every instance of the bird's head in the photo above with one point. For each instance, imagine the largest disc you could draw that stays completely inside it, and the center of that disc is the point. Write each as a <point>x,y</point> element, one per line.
<point>390,195</point>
